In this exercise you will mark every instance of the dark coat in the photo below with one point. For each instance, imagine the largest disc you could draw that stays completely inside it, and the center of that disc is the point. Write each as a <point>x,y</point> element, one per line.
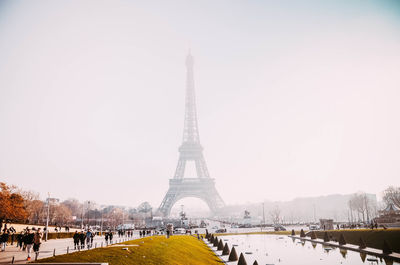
<point>29,238</point>
<point>82,237</point>
<point>76,238</point>
<point>4,237</point>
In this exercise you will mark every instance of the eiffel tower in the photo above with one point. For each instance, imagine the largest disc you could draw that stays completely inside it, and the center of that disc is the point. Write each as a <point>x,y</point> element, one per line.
<point>202,187</point>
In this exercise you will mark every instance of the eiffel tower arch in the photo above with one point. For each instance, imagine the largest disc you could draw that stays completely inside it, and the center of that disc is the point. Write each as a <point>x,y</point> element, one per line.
<point>202,187</point>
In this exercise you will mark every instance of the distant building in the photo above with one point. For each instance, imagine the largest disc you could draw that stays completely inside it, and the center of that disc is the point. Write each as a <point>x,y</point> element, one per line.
<point>157,221</point>
<point>53,201</point>
<point>247,218</point>
<point>326,224</point>
<point>126,227</point>
<point>390,216</point>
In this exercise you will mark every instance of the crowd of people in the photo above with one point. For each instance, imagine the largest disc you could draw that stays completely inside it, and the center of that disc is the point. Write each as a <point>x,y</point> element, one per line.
<point>30,239</point>
<point>27,240</point>
<point>144,233</point>
<point>108,236</point>
<point>83,236</point>
<point>84,239</point>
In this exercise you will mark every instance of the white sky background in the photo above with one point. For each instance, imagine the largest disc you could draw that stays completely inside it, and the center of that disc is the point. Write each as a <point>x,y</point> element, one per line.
<point>295,98</point>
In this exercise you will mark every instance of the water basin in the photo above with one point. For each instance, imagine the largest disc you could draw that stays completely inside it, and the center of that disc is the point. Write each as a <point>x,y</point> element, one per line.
<point>272,249</point>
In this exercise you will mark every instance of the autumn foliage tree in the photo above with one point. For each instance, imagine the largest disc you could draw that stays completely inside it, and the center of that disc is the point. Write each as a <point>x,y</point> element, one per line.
<point>12,205</point>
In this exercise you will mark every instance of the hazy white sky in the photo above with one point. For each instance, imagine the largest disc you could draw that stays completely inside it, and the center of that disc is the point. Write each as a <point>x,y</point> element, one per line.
<point>295,98</point>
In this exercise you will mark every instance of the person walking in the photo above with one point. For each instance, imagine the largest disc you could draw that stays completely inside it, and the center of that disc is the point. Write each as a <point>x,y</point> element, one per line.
<point>24,236</point>
<point>20,238</point>
<point>91,238</point>
<point>106,238</point>
<point>3,240</point>
<point>12,237</point>
<point>111,237</point>
<point>76,239</point>
<point>37,240</point>
<point>82,237</point>
<point>88,237</point>
<point>29,239</point>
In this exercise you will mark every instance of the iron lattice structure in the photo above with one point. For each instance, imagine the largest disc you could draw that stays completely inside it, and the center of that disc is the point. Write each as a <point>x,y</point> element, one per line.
<point>202,187</point>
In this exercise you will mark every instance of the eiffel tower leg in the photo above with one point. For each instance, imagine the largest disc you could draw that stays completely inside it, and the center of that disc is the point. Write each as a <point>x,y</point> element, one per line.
<point>167,203</point>
<point>201,168</point>
<point>180,169</point>
<point>217,201</point>
<point>202,188</point>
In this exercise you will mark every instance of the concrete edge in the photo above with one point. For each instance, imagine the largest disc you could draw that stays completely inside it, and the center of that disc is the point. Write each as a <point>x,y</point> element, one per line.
<point>371,251</point>
<point>216,254</point>
<point>71,263</point>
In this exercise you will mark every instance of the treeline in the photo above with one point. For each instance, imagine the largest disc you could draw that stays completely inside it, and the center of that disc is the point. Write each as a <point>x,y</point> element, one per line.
<point>17,205</point>
<point>352,208</point>
<point>363,209</point>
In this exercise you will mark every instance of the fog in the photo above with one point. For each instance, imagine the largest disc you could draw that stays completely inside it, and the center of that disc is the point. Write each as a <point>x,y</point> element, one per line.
<point>294,98</point>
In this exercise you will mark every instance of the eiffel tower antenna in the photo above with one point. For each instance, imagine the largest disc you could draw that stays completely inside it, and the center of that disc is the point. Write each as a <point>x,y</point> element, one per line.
<point>203,186</point>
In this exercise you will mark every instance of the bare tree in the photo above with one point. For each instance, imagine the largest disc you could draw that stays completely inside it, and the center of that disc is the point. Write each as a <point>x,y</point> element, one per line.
<point>36,211</point>
<point>275,214</point>
<point>362,205</point>
<point>144,207</point>
<point>29,195</point>
<point>392,195</point>
<point>33,206</point>
<point>61,215</point>
<point>74,206</point>
<point>114,217</point>
<point>352,208</point>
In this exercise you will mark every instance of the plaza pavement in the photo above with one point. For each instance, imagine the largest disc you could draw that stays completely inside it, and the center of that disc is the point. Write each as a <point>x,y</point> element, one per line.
<point>21,227</point>
<point>47,248</point>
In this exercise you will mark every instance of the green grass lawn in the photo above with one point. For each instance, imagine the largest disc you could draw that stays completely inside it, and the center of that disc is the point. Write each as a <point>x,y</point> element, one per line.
<point>373,238</point>
<point>178,249</point>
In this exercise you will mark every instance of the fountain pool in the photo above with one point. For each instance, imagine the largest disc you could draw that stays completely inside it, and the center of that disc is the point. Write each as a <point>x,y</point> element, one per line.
<point>283,250</point>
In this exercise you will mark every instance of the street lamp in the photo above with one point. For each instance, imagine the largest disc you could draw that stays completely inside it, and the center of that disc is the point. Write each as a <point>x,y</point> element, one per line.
<point>48,214</point>
<point>88,213</point>
<point>123,217</point>
<point>101,226</point>
<point>263,217</point>
<point>83,206</point>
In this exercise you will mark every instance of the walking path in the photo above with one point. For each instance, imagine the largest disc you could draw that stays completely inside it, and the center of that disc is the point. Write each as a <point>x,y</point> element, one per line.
<point>52,229</point>
<point>47,249</point>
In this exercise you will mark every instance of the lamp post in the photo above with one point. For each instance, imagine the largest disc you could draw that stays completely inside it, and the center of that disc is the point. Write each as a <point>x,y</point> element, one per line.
<point>123,217</point>
<point>88,213</point>
<point>48,215</point>
<point>83,206</point>
<point>101,226</point>
<point>315,219</point>
<point>263,217</point>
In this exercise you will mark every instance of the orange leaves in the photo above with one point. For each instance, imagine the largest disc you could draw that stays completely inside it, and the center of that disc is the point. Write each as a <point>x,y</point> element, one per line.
<point>12,207</point>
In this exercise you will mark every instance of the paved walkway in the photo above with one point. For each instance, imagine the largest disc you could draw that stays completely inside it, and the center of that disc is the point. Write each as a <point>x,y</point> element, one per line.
<point>21,227</point>
<point>47,248</point>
